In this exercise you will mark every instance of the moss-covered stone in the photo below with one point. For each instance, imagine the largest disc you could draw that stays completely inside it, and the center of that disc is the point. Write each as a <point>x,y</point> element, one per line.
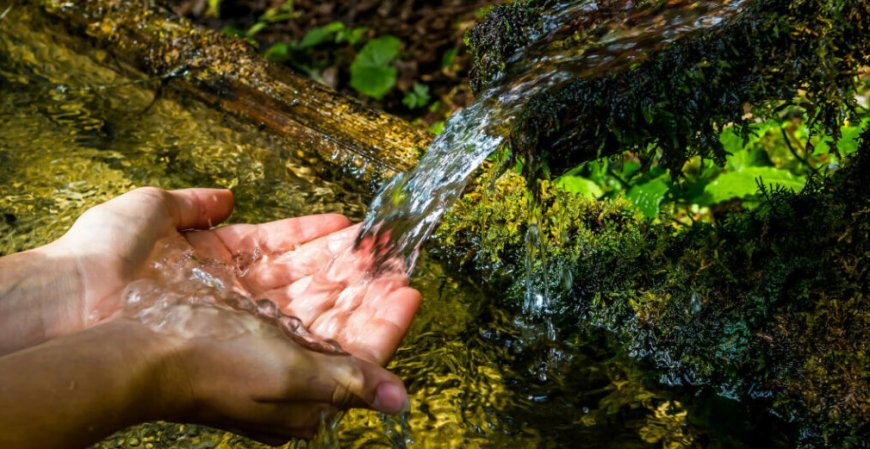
<point>770,305</point>
<point>678,98</point>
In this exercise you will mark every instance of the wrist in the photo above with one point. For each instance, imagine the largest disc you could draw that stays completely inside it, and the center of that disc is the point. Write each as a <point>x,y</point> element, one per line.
<point>39,296</point>
<point>159,384</point>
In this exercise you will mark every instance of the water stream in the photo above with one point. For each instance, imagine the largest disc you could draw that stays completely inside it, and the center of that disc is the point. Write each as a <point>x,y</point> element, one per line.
<point>408,208</point>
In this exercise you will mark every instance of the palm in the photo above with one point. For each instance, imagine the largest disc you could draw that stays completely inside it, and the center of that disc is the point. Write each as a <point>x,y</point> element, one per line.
<point>307,267</point>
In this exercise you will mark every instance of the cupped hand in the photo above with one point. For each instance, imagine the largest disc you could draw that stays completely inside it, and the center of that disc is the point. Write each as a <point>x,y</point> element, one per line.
<point>307,264</point>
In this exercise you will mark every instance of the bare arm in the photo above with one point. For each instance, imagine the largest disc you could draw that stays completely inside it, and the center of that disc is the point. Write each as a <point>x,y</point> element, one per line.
<point>73,391</point>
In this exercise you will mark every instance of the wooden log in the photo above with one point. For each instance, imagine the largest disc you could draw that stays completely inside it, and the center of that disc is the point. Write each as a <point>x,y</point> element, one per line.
<point>229,74</point>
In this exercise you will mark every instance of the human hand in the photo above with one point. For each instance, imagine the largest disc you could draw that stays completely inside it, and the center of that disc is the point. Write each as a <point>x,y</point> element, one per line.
<point>268,387</point>
<point>260,384</point>
<point>111,244</point>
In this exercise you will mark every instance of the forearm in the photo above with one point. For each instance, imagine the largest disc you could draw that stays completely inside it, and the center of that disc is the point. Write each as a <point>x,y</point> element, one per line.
<point>39,292</point>
<point>75,390</point>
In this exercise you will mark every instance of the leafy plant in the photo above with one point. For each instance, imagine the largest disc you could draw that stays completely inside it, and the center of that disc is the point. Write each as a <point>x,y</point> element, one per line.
<point>418,97</point>
<point>779,154</point>
<point>276,14</point>
<point>580,186</point>
<point>371,72</point>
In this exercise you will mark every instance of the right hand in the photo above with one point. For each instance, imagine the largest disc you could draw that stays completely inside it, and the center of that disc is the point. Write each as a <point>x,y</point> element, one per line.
<point>264,385</point>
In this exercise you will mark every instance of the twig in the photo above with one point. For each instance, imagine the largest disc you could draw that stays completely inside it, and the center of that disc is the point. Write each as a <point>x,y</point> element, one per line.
<point>794,152</point>
<point>3,14</point>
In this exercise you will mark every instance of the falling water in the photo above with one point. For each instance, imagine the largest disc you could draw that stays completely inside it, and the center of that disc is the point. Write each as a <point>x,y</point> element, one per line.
<point>408,208</point>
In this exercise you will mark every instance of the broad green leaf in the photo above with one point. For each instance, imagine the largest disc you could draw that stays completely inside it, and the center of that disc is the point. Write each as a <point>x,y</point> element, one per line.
<point>741,156</point>
<point>741,184</point>
<point>753,156</point>
<point>579,185</point>
<point>731,141</point>
<point>371,73</point>
<point>374,81</point>
<point>648,196</point>
<point>379,52</point>
<point>598,169</point>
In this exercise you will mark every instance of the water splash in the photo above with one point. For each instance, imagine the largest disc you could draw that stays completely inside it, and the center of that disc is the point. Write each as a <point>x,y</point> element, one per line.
<point>187,295</point>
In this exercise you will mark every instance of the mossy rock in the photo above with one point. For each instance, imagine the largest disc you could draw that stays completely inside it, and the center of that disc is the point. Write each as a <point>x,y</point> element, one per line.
<point>675,100</point>
<point>769,306</point>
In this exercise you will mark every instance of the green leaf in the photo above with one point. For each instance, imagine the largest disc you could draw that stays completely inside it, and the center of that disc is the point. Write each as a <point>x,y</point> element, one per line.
<point>279,52</point>
<point>648,196</point>
<point>280,13</point>
<point>448,57</point>
<point>351,36</point>
<point>732,142</point>
<point>417,97</point>
<point>214,8</point>
<point>256,28</point>
<point>848,143</point>
<point>371,73</point>
<point>742,184</point>
<point>579,185</point>
<point>374,81</point>
<point>379,52</point>
<point>438,128</point>
<point>751,157</point>
<point>629,169</point>
<point>320,35</point>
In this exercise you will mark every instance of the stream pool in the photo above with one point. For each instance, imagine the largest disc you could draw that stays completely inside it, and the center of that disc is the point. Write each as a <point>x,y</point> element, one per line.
<point>76,130</point>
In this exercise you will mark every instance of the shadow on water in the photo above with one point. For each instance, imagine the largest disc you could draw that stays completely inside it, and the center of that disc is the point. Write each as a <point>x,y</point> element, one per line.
<point>73,134</point>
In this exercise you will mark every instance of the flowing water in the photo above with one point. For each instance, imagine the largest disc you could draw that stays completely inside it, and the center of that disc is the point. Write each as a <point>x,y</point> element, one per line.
<point>75,132</point>
<point>409,207</point>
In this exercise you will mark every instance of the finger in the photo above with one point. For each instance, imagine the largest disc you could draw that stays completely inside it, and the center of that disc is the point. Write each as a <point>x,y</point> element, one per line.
<point>282,235</point>
<point>208,245</point>
<point>199,208</point>
<point>346,382</point>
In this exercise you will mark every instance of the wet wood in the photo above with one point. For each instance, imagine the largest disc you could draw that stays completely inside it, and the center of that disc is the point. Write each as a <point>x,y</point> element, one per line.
<point>229,74</point>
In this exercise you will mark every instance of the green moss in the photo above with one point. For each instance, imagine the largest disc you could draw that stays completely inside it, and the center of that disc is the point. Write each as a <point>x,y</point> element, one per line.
<point>677,99</point>
<point>769,305</point>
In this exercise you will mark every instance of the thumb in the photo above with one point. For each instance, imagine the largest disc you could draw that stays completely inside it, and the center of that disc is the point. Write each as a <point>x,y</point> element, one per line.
<point>357,383</point>
<point>199,208</point>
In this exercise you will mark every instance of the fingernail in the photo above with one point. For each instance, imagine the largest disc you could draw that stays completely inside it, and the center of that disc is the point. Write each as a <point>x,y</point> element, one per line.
<point>391,398</point>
